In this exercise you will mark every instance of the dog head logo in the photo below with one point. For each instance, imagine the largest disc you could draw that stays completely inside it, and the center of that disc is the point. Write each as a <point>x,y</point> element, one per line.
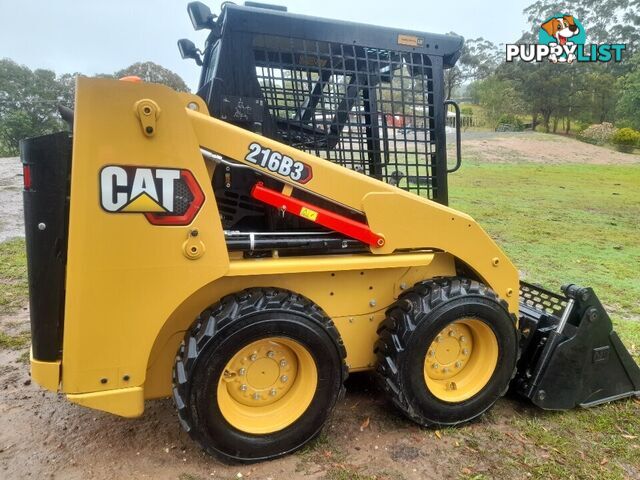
<point>564,31</point>
<point>561,28</point>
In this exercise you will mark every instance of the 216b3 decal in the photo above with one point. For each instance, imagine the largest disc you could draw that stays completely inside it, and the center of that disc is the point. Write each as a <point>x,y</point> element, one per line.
<point>166,196</point>
<point>278,163</point>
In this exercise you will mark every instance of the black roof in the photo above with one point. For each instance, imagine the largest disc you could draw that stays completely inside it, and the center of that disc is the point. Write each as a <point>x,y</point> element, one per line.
<point>276,22</point>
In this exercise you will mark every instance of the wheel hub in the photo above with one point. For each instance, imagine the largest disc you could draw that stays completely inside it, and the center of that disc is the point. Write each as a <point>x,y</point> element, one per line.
<point>261,373</point>
<point>450,351</point>
<point>461,359</point>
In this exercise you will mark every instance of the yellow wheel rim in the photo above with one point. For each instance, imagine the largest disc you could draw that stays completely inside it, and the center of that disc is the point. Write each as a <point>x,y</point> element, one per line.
<point>461,360</point>
<point>267,385</point>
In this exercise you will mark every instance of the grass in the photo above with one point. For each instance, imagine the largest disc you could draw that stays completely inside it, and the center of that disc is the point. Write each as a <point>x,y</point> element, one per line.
<point>14,342</point>
<point>563,224</point>
<point>566,224</point>
<point>14,291</point>
<point>592,444</point>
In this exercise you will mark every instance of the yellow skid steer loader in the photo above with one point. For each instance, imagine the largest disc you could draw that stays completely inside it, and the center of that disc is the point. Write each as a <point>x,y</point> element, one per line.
<point>245,248</point>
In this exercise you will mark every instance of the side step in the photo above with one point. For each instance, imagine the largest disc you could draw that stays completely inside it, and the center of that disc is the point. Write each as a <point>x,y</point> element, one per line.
<point>570,355</point>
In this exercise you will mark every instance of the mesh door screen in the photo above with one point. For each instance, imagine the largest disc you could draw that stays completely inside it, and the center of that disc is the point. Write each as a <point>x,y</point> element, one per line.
<point>370,110</point>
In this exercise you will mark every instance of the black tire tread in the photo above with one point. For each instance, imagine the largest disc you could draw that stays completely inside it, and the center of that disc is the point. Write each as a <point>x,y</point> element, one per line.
<point>401,321</point>
<point>222,314</point>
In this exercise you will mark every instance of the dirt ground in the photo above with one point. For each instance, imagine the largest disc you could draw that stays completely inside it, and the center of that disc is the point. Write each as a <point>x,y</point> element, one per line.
<point>44,436</point>
<point>539,148</point>
<point>10,199</point>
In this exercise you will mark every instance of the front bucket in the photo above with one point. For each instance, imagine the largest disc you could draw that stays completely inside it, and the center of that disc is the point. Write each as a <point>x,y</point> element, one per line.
<point>570,354</point>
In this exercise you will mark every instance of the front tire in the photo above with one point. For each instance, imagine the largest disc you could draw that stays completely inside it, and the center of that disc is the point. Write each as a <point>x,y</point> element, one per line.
<point>258,375</point>
<point>446,351</point>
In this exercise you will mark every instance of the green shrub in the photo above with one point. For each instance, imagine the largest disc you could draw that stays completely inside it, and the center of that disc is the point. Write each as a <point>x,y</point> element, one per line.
<point>626,139</point>
<point>578,127</point>
<point>598,134</point>
<point>466,111</point>
<point>509,119</point>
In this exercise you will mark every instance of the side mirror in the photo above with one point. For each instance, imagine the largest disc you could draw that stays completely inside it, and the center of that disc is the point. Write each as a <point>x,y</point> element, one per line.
<point>188,50</point>
<point>200,15</point>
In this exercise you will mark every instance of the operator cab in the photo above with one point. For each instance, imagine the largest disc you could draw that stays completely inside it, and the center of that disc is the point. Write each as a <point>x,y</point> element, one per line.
<point>368,98</point>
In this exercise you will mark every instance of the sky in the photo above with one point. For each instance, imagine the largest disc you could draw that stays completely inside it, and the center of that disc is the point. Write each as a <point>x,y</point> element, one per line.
<point>103,36</point>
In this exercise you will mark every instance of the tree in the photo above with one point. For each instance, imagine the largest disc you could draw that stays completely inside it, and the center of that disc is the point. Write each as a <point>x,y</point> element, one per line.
<point>28,102</point>
<point>498,97</point>
<point>152,72</point>
<point>29,99</point>
<point>629,103</point>
<point>478,59</point>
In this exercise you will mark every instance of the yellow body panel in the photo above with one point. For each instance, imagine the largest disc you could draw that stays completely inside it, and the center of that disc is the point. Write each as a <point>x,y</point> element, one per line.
<point>126,402</point>
<point>45,374</point>
<point>133,288</point>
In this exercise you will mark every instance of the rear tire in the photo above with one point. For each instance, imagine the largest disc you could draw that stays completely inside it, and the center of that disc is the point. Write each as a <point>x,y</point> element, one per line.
<point>446,351</point>
<point>258,375</point>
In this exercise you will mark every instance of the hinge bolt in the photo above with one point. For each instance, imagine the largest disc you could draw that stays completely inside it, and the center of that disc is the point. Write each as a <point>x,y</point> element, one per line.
<point>372,302</point>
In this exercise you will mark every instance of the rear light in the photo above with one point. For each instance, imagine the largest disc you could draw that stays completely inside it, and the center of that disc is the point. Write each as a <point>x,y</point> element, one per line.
<point>26,173</point>
<point>131,78</point>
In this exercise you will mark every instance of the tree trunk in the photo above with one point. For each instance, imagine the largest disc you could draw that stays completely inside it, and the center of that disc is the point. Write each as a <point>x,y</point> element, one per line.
<point>534,121</point>
<point>568,126</point>
<point>555,124</point>
<point>546,119</point>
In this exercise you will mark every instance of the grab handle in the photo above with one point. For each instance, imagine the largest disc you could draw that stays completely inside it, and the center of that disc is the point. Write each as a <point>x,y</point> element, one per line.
<point>458,136</point>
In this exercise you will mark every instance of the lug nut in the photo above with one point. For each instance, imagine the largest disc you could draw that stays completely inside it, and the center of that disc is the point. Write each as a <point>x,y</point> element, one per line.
<point>438,338</point>
<point>241,372</point>
<point>465,351</point>
<point>463,339</point>
<point>284,379</point>
<point>270,354</point>
<point>283,363</point>
<point>243,388</point>
<point>256,396</point>
<point>452,333</point>
<point>458,364</point>
<point>253,357</point>
<point>431,353</point>
<point>273,392</point>
<point>445,370</point>
<point>435,366</point>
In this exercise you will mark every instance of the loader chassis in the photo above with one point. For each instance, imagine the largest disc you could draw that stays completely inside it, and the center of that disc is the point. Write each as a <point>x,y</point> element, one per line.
<point>116,250</point>
<point>244,265</point>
